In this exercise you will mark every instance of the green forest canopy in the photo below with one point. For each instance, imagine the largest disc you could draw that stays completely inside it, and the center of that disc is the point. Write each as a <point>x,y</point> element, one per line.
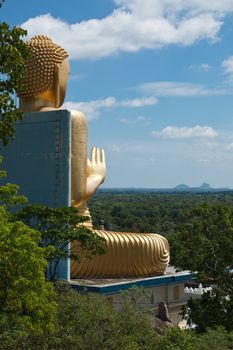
<point>162,213</point>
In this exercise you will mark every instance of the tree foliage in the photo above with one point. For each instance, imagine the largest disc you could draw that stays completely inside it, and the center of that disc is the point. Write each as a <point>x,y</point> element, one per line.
<point>59,227</point>
<point>13,52</point>
<point>88,322</point>
<point>163,213</point>
<point>9,197</point>
<point>177,339</point>
<point>27,306</point>
<point>27,300</point>
<point>214,309</point>
<point>205,245</point>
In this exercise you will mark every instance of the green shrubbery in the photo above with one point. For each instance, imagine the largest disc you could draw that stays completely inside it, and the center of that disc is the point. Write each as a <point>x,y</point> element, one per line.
<point>88,322</point>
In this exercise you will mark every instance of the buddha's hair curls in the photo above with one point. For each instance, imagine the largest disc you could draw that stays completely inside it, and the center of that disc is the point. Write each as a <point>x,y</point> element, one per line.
<point>45,56</point>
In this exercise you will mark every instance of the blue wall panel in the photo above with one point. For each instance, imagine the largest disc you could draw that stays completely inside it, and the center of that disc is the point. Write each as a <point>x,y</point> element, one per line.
<point>38,160</point>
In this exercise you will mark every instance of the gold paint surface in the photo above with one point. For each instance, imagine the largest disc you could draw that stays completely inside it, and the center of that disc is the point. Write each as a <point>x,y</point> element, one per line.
<point>127,254</point>
<point>41,66</point>
<point>78,158</point>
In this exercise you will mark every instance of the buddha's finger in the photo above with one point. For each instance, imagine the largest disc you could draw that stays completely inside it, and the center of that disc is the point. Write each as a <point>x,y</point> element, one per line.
<point>97,155</point>
<point>102,156</point>
<point>93,151</point>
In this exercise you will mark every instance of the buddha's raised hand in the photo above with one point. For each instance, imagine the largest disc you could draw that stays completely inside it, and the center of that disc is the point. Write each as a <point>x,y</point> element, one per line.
<point>96,171</point>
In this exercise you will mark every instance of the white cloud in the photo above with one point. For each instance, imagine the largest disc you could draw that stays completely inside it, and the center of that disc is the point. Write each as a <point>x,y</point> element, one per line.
<point>211,145</point>
<point>92,109</point>
<point>151,7</point>
<point>76,77</point>
<point>205,144</point>
<point>132,27</point>
<point>179,89</point>
<point>114,148</point>
<point>138,102</point>
<point>173,132</point>
<point>227,65</point>
<point>125,120</point>
<point>141,118</point>
<point>205,67</point>
<point>149,160</point>
<point>138,119</point>
<point>203,160</point>
<point>230,147</point>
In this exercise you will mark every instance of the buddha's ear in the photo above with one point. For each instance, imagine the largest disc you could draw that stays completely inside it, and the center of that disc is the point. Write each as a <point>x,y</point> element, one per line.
<point>57,86</point>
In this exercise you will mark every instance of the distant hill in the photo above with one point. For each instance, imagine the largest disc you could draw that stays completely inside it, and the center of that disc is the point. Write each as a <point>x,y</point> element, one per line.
<point>182,187</point>
<point>204,187</point>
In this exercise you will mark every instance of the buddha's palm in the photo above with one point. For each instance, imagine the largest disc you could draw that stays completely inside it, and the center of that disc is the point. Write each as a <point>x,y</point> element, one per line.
<point>96,171</point>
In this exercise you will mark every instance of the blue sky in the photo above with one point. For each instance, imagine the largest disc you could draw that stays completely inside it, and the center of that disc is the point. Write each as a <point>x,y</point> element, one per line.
<point>154,78</point>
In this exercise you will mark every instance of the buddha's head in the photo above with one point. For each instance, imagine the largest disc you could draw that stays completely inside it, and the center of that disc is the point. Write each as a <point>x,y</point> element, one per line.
<point>47,73</point>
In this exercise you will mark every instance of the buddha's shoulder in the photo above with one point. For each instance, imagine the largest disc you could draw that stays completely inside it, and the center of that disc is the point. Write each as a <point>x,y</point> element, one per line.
<point>78,116</point>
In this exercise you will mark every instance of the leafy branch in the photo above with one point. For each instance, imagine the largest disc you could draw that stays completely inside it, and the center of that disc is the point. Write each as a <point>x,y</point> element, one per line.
<point>59,228</point>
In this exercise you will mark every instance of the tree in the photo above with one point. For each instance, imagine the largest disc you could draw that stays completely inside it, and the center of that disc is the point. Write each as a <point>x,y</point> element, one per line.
<point>27,305</point>
<point>205,245</point>
<point>89,321</point>
<point>27,300</point>
<point>59,227</point>
<point>9,196</point>
<point>214,339</point>
<point>13,52</point>
<point>212,310</point>
<point>177,339</point>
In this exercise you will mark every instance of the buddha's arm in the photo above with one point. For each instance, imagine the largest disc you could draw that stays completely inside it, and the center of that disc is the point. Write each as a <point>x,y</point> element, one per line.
<point>78,157</point>
<point>86,174</point>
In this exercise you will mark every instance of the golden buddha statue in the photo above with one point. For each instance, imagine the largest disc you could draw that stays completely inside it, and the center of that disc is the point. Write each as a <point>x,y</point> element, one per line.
<point>127,254</point>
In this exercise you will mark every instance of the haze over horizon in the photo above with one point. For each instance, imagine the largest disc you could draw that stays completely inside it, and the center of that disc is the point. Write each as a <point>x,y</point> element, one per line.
<point>178,186</point>
<point>155,81</point>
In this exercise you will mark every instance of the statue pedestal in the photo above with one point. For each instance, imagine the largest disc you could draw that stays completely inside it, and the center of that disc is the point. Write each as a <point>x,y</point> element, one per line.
<point>39,161</point>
